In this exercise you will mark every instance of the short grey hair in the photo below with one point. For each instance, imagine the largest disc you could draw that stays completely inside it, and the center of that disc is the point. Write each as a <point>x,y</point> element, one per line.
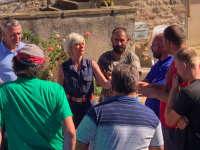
<point>10,22</point>
<point>71,39</point>
<point>125,79</point>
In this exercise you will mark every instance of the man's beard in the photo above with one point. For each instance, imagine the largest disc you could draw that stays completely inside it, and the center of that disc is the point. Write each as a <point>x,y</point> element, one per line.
<point>119,49</point>
<point>157,56</point>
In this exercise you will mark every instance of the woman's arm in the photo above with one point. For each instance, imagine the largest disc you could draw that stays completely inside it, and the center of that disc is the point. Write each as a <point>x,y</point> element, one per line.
<point>60,76</point>
<point>100,79</point>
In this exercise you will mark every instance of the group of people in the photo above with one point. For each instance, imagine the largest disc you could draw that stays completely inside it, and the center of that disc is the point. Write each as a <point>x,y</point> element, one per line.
<point>172,92</point>
<point>38,114</point>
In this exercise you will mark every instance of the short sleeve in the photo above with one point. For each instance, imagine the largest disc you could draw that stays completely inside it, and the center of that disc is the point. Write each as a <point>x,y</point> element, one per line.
<point>1,118</point>
<point>87,129</point>
<point>1,108</point>
<point>160,78</point>
<point>62,109</point>
<point>101,65</point>
<point>147,77</point>
<point>157,139</point>
<point>135,61</point>
<point>183,104</point>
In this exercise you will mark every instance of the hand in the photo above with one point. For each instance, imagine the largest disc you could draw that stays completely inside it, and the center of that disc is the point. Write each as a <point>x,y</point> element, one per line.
<point>109,78</point>
<point>142,84</point>
<point>146,92</point>
<point>176,81</point>
<point>183,122</point>
<point>108,74</point>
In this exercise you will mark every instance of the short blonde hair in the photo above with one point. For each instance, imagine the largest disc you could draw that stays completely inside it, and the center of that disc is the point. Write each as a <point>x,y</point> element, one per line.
<point>187,55</point>
<point>71,39</point>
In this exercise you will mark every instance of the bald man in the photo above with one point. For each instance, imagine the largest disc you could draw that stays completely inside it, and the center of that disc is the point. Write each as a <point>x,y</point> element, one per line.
<point>158,70</point>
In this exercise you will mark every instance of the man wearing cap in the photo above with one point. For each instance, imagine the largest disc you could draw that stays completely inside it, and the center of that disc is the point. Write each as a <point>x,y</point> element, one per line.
<point>36,112</point>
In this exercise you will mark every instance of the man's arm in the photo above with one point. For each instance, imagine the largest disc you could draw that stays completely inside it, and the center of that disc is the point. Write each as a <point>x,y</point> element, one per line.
<point>69,134</point>
<point>145,83</point>
<point>80,146</point>
<point>153,93</point>
<point>183,122</point>
<point>0,137</point>
<point>156,86</point>
<point>157,140</point>
<point>171,116</point>
<point>86,130</point>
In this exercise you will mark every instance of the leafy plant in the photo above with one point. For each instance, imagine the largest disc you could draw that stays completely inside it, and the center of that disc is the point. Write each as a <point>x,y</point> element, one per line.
<point>53,48</point>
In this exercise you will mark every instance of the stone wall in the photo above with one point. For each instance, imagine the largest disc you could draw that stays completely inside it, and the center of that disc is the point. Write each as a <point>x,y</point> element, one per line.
<point>155,12</point>
<point>99,22</point>
<point>20,6</point>
<point>152,12</point>
<point>193,24</point>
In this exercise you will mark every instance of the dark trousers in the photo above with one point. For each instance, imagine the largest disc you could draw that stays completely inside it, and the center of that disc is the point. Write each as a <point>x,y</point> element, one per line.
<point>4,145</point>
<point>170,138</point>
<point>79,109</point>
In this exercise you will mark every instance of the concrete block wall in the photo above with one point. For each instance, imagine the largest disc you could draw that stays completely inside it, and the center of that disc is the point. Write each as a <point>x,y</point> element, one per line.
<point>99,22</point>
<point>152,12</point>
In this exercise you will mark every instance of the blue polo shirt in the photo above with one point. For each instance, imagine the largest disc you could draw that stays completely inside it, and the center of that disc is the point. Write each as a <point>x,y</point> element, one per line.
<point>120,122</point>
<point>6,56</point>
<point>157,76</point>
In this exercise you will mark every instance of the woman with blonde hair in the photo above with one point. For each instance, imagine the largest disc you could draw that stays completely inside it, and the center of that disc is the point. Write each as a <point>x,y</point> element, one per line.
<point>76,76</point>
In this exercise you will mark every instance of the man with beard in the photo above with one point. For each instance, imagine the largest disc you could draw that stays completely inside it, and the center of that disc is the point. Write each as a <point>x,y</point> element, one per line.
<point>158,70</point>
<point>173,40</point>
<point>119,55</point>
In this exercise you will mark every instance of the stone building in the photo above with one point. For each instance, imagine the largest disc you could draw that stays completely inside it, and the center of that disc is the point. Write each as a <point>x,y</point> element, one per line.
<point>193,23</point>
<point>151,12</point>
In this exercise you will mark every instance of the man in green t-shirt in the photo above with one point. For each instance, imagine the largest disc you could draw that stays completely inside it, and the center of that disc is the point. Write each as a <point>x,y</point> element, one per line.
<point>36,112</point>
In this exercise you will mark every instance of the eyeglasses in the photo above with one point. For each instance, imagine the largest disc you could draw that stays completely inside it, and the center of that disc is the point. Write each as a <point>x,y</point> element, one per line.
<point>154,45</point>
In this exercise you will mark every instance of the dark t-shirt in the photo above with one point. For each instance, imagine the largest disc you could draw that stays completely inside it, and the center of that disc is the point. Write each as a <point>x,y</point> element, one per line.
<point>188,104</point>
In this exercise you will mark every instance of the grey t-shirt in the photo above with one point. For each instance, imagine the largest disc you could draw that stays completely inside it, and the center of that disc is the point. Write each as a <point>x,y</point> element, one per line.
<point>107,62</point>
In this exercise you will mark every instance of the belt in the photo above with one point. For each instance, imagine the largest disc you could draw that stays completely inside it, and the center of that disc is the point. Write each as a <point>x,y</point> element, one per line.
<point>79,99</point>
